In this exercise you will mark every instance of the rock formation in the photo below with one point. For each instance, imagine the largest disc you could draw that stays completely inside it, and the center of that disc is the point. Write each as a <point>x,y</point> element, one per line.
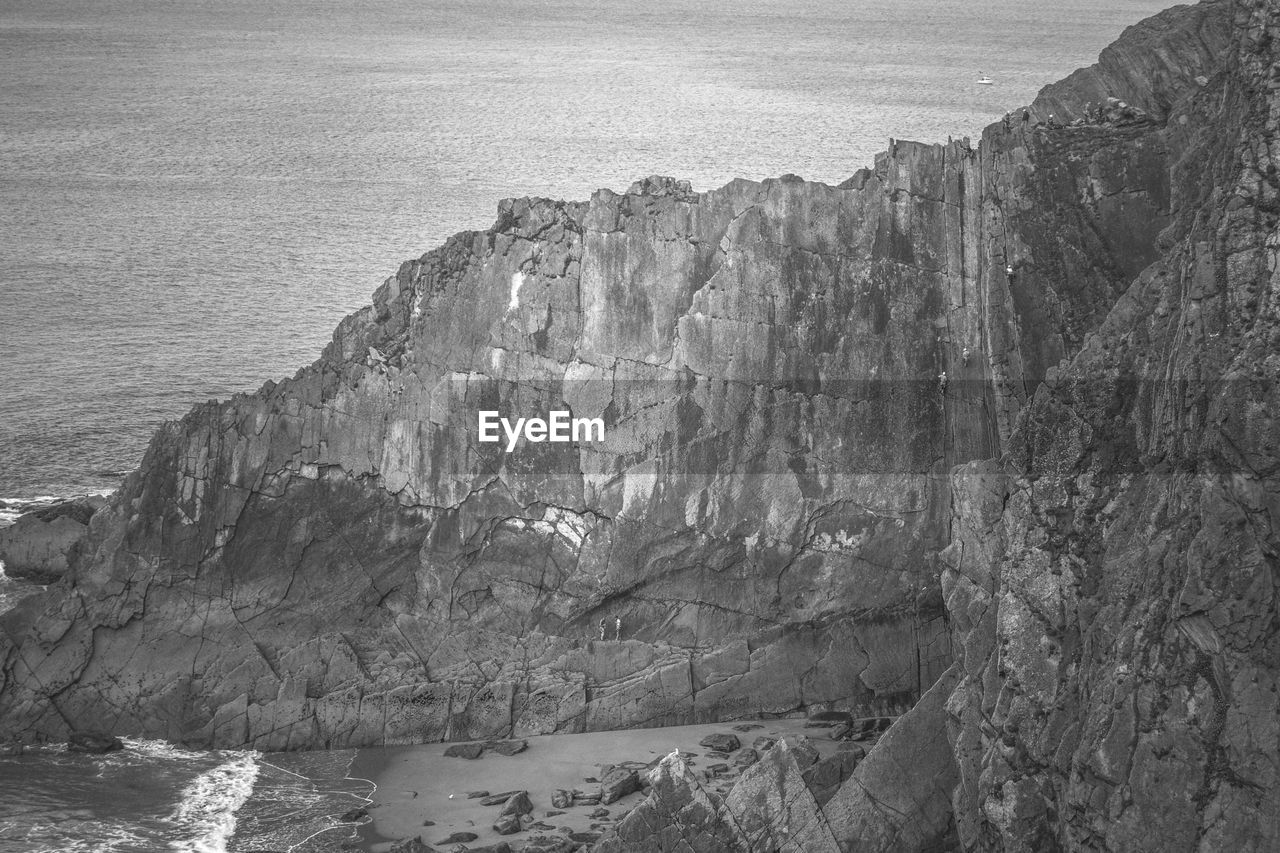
<point>39,545</point>
<point>1112,583</point>
<point>1030,381</point>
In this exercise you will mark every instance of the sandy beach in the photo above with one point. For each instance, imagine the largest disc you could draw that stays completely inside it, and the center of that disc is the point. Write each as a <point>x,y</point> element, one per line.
<point>416,784</point>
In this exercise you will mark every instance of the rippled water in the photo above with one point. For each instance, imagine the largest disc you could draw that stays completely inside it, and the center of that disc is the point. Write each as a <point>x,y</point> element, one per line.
<point>193,194</point>
<point>152,796</point>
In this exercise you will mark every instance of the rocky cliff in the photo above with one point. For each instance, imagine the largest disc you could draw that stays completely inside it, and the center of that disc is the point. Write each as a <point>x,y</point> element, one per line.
<point>1112,583</point>
<point>1031,379</point>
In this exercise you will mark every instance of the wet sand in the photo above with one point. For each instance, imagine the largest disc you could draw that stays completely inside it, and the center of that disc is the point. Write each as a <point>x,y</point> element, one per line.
<point>418,783</point>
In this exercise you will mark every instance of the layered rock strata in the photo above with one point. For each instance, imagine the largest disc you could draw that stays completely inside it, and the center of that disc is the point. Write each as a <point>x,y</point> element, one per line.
<point>1112,583</point>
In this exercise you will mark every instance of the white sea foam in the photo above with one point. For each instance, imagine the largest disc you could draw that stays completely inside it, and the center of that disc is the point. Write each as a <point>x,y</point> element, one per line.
<point>206,812</point>
<point>159,749</point>
<point>99,837</point>
<point>14,507</point>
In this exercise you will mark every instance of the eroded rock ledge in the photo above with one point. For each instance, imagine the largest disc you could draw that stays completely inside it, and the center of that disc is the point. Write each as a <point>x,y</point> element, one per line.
<point>335,560</point>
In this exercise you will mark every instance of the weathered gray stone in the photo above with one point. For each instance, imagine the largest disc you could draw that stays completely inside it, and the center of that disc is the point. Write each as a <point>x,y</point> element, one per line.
<point>39,545</point>
<point>1109,585</point>
<point>411,845</point>
<point>677,816</point>
<point>825,776</point>
<point>518,804</point>
<point>899,796</point>
<point>618,783</point>
<point>464,750</point>
<point>722,743</point>
<point>508,747</point>
<point>802,750</point>
<point>507,824</point>
<point>775,810</point>
<point>460,838</point>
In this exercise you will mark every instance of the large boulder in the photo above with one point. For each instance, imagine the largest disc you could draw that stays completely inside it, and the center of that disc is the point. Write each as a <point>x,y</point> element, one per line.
<point>774,809</point>
<point>518,804</point>
<point>617,783</point>
<point>507,824</point>
<point>677,816</point>
<point>39,545</point>
<point>507,747</point>
<point>825,776</point>
<point>464,750</point>
<point>720,742</point>
<point>899,796</point>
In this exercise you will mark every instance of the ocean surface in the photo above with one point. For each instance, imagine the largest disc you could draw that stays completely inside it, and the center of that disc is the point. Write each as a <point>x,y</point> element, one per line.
<point>192,194</point>
<point>152,796</point>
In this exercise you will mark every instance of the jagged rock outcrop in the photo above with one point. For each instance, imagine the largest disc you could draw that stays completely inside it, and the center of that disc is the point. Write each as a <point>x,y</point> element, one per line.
<point>774,809</point>
<point>337,560</point>
<point>1042,369</point>
<point>38,545</point>
<point>676,816</point>
<point>1112,583</point>
<point>899,797</point>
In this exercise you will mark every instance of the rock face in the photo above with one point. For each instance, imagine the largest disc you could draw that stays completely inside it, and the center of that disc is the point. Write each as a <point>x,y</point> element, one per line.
<point>899,797</point>
<point>775,810</point>
<point>779,806</point>
<point>38,545</point>
<point>337,559</point>
<point>1112,584</point>
<point>677,816</point>
<point>1041,370</point>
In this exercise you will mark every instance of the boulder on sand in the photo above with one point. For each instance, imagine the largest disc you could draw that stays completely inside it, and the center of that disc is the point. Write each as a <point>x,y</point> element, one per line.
<point>507,824</point>
<point>508,747</point>
<point>617,783</point>
<point>720,742</point>
<point>519,804</point>
<point>464,750</point>
<point>460,838</point>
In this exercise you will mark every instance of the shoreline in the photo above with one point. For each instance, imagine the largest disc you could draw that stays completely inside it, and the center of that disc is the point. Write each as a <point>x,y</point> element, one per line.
<point>417,784</point>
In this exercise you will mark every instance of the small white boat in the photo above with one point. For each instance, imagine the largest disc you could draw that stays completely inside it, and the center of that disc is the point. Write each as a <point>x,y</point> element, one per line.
<point>984,80</point>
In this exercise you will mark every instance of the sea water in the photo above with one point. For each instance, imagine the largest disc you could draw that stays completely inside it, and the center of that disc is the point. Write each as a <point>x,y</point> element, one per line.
<point>193,194</point>
<point>152,796</point>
